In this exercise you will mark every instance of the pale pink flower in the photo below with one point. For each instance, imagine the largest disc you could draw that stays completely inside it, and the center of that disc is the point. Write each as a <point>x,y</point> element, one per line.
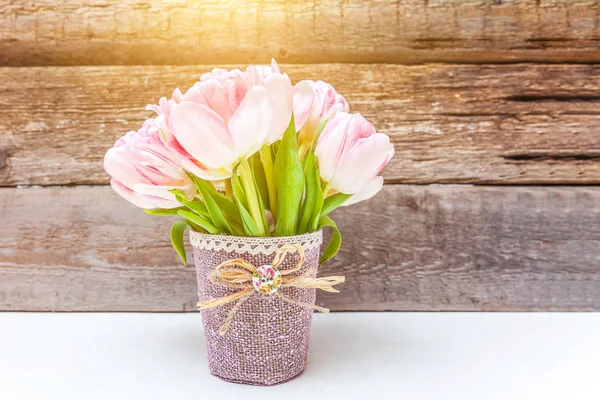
<point>314,102</point>
<point>187,161</point>
<point>367,192</point>
<point>143,169</point>
<point>228,116</point>
<point>351,154</point>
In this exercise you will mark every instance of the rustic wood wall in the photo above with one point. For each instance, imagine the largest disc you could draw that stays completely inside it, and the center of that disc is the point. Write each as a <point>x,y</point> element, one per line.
<point>492,201</point>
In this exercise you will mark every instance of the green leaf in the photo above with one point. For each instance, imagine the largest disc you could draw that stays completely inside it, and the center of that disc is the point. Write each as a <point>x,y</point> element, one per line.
<point>260,179</point>
<point>312,188</point>
<point>334,201</point>
<point>316,214</point>
<point>336,239</point>
<point>289,177</point>
<point>248,223</point>
<point>266,159</point>
<point>255,205</point>
<point>180,196</point>
<point>177,231</point>
<point>198,207</point>
<point>261,187</point>
<point>198,220</point>
<point>250,226</point>
<point>218,206</point>
<point>318,131</point>
<point>216,215</point>
<point>313,143</point>
<point>238,190</point>
<point>164,212</point>
<point>263,215</point>
<point>228,208</point>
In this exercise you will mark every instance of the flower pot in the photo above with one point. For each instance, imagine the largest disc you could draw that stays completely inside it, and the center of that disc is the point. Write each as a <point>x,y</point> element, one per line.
<point>267,338</point>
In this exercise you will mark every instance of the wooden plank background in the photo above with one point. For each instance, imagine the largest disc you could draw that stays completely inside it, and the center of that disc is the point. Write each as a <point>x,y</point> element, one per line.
<point>414,247</point>
<point>524,123</point>
<point>107,32</point>
<point>492,201</point>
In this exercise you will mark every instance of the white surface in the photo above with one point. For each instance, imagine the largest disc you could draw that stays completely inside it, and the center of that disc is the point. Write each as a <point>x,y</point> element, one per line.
<point>370,356</point>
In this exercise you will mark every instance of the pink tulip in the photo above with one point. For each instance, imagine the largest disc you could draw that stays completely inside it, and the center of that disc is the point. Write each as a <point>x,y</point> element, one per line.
<point>187,161</point>
<point>351,154</point>
<point>367,192</point>
<point>143,169</point>
<point>314,102</point>
<point>228,116</point>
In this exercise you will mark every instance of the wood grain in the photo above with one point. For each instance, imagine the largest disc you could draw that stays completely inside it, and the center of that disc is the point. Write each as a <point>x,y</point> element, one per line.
<point>437,247</point>
<point>506,124</point>
<point>108,32</point>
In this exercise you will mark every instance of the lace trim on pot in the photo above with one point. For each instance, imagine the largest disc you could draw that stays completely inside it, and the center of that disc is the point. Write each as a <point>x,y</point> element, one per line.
<point>253,245</point>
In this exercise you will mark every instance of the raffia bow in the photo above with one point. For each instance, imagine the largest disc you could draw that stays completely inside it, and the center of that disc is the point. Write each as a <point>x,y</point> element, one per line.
<point>237,274</point>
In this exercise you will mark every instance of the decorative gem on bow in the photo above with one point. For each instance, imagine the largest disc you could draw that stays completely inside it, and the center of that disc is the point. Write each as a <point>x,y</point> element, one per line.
<point>266,280</point>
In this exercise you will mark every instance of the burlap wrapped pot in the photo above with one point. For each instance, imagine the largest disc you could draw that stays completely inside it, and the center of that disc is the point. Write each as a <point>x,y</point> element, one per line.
<point>267,340</point>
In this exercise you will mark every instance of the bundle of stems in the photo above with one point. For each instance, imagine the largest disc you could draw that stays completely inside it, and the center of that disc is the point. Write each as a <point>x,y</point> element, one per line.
<point>277,191</point>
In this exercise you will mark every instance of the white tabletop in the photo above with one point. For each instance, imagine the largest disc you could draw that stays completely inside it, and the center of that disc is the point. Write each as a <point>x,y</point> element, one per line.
<point>481,356</point>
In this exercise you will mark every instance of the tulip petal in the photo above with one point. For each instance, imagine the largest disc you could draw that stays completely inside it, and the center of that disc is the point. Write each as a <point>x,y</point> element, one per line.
<point>275,67</point>
<point>363,162</point>
<point>250,123</point>
<point>367,192</point>
<point>194,94</point>
<point>129,195</point>
<point>330,145</point>
<point>253,75</point>
<point>202,171</point>
<point>388,157</point>
<point>202,133</point>
<point>216,97</point>
<point>281,96</point>
<point>177,95</point>
<point>236,87</point>
<point>159,196</point>
<point>332,101</point>
<point>156,164</point>
<point>118,164</point>
<point>304,98</point>
<point>189,189</point>
<point>154,107</point>
<point>358,128</point>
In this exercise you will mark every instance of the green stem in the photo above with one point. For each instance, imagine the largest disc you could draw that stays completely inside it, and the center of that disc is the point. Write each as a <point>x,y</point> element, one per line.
<point>251,195</point>
<point>266,158</point>
<point>302,150</point>
<point>326,188</point>
<point>228,189</point>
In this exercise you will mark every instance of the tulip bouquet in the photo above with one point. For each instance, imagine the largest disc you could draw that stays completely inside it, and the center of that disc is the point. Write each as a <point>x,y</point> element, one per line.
<point>245,153</point>
<point>253,165</point>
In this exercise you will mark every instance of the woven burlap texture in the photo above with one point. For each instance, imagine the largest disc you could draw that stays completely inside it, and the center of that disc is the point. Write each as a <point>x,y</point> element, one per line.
<point>267,341</point>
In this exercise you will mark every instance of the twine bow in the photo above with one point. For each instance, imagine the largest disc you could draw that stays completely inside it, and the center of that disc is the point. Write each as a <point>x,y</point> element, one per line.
<point>237,274</point>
